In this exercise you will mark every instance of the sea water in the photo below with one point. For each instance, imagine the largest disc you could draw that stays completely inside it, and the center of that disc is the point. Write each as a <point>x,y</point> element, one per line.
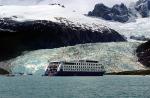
<point>75,87</point>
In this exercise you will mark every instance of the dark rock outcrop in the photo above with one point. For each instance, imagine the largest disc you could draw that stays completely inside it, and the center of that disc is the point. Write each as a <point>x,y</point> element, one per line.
<point>139,38</point>
<point>3,72</point>
<point>143,7</point>
<point>101,10</point>
<point>41,34</point>
<point>143,54</point>
<point>120,12</point>
<point>117,12</point>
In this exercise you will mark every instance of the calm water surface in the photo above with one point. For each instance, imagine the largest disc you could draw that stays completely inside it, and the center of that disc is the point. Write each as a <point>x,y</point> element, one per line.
<point>75,87</point>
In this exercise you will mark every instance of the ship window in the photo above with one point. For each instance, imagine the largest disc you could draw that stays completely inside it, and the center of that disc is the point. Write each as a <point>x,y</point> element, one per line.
<point>69,63</point>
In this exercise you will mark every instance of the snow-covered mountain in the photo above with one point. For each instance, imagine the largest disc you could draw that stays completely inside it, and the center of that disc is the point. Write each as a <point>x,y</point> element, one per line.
<point>17,37</point>
<point>74,11</point>
<point>122,13</point>
<point>115,56</point>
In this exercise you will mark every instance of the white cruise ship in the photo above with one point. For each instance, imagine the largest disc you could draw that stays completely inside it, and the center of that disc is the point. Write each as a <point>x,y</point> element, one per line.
<point>75,68</point>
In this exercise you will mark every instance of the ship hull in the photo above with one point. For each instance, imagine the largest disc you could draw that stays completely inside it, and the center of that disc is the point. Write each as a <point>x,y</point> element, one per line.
<point>65,73</point>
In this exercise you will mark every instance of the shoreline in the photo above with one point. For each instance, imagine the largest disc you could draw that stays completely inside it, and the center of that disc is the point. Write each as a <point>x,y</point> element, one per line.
<point>135,72</point>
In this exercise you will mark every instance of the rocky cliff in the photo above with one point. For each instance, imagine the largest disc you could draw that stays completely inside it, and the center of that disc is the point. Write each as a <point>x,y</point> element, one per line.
<point>3,72</point>
<point>143,53</point>
<point>117,12</point>
<point>122,13</point>
<point>143,7</point>
<point>41,34</point>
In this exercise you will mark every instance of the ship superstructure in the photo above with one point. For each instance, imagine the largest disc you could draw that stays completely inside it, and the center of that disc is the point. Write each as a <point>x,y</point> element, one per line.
<point>75,68</point>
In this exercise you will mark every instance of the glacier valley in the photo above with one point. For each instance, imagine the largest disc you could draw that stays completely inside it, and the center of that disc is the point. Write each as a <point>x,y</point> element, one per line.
<point>116,57</point>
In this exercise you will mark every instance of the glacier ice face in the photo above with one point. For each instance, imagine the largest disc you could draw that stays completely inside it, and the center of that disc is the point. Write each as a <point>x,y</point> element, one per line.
<point>114,56</point>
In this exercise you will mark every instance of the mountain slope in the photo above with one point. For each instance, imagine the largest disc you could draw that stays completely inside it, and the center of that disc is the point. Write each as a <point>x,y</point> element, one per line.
<point>85,3</point>
<point>39,18</point>
<point>122,13</point>
<point>74,11</point>
<point>17,37</point>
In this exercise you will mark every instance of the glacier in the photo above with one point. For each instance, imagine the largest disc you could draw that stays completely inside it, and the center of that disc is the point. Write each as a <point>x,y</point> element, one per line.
<point>114,56</point>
